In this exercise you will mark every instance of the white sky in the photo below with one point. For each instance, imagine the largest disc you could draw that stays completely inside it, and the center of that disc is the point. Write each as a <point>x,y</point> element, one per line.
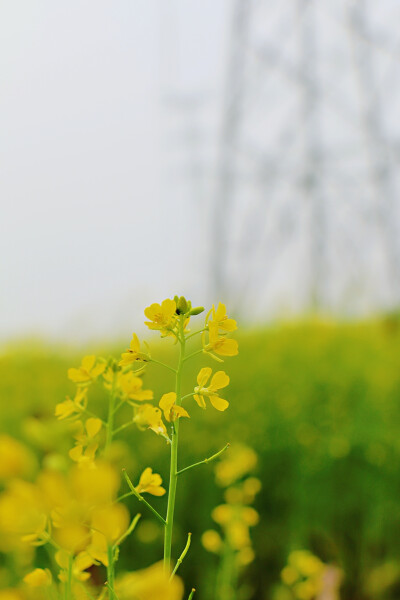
<point>92,227</point>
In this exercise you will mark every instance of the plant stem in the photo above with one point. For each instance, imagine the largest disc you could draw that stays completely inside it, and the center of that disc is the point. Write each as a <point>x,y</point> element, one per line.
<point>158,362</point>
<point>68,583</point>
<point>205,461</point>
<point>110,571</point>
<point>134,492</point>
<point>191,594</point>
<point>173,473</point>
<point>182,556</point>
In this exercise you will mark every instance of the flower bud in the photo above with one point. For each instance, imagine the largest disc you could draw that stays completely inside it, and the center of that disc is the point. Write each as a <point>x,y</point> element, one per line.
<point>182,306</point>
<point>196,311</point>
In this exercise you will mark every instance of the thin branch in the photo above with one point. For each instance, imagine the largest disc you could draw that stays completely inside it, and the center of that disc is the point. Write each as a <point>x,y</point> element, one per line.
<point>191,594</point>
<point>128,531</point>
<point>182,556</point>
<point>205,461</point>
<point>196,333</point>
<point>193,354</point>
<point>141,499</point>
<point>157,362</point>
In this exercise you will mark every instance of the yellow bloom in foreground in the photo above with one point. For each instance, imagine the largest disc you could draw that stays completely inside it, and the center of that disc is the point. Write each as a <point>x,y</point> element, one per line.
<point>86,446</point>
<point>108,524</point>
<point>15,458</point>
<point>219,380</point>
<point>162,316</point>
<point>81,562</point>
<point>220,344</point>
<point>149,584</point>
<point>69,407</point>
<point>132,354</point>
<point>151,483</point>
<point>131,387</point>
<point>170,409</point>
<point>38,578</point>
<point>148,416</point>
<point>220,318</point>
<point>87,371</point>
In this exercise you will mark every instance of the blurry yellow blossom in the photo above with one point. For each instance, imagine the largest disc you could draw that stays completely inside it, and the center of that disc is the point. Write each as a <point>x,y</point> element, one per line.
<point>220,319</point>
<point>108,524</point>
<point>96,484</point>
<point>80,563</point>
<point>70,407</point>
<point>170,409</point>
<point>162,316</point>
<point>133,353</point>
<point>149,584</point>
<point>219,380</point>
<point>38,578</point>
<point>87,371</point>
<point>220,344</point>
<point>236,521</point>
<point>15,458</point>
<point>245,556</point>
<point>70,526</point>
<point>151,483</point>
<point>211,541</point>
<point>240,460</point>
<point>11,594</point>
<point>148,416</point>
<point>305,562</point>
<point>86,446</point>
<point>131,387</point>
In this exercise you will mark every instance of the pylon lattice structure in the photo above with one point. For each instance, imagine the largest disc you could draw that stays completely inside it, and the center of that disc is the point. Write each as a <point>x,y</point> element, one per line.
<point>307,193</point>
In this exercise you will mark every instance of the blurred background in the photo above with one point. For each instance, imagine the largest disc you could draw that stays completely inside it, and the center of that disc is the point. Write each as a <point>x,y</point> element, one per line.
<point>245,151</point>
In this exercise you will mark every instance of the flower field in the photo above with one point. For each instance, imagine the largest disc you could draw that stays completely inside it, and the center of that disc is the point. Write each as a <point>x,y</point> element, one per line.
<point>303,503</point>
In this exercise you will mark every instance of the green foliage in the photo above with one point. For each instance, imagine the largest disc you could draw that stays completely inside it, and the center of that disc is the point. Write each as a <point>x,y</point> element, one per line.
<point>319,402</point>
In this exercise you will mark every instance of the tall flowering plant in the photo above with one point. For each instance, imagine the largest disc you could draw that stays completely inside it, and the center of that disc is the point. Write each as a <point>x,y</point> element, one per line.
<point>106,522</point>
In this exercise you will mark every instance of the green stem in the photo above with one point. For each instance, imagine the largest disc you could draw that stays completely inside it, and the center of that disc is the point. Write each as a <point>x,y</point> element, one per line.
<point>158,362</point>
<point>141,499</point>
<point>205,461</point>
<point>111,411</point>
<point>173,473</point>
<point>196,333</point>
<point>193,354</point>
<point>110,572</point>
<point>124,426</point>
<point>182,556</point>
<point>68,583</point>
<point>191,594</point>
<point>128,531</point>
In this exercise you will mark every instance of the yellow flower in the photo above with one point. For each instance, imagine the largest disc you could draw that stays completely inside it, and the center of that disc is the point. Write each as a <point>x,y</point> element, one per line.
<point>220,344</point>
<point>15,458</point>
<point>131,387</point>
<point>108,524</point>
<point>148,416</point>
<point>239,461</point>
<point>170,409</point>
<point>86,446</point>
<point>151,483</point>
<point>211,541</point>
<point>95,485</point>
<point>236,521</point>
<point>219,380</point>
<point>81,562</point>
<point>72,407</point>
<point>38,578</point>
<point>132,353</point>
<point>87,371</point>
<point>162,316</point>
<point>220,319</point>
<point>152,583</point>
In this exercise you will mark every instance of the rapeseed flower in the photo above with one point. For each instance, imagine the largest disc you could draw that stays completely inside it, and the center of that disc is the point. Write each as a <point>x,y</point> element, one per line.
<point>131,387</point>
<point>86,446</point>
<point>219,380</point>
<point>87,371</point>
<point>150,483</point>
<point>220,319</point>
<point>148,416</point>
<point>152,583</point>
<point>162,317</point>
<point>170,409</point>
<point>38,578</point>
<point>69,407</point>
<point>220,344</point>
<point>132,353</point>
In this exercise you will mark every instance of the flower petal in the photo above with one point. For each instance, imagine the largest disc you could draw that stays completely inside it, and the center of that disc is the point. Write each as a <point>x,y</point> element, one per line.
<point>218,403</point>
<point>203,376</point>
<point>220,380</point>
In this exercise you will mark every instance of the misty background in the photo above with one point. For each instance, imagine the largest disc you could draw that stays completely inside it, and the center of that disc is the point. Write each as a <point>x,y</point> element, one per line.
<point>239,150</point>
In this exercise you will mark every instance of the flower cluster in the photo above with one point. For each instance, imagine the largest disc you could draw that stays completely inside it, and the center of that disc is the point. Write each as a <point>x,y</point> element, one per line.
<point>75,507</point>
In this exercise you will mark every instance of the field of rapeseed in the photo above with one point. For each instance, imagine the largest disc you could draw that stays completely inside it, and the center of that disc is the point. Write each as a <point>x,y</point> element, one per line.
<point>302,504</point>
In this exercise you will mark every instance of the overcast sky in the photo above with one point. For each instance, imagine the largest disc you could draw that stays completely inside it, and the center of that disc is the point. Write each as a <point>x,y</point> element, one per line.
<point>92,225</point>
